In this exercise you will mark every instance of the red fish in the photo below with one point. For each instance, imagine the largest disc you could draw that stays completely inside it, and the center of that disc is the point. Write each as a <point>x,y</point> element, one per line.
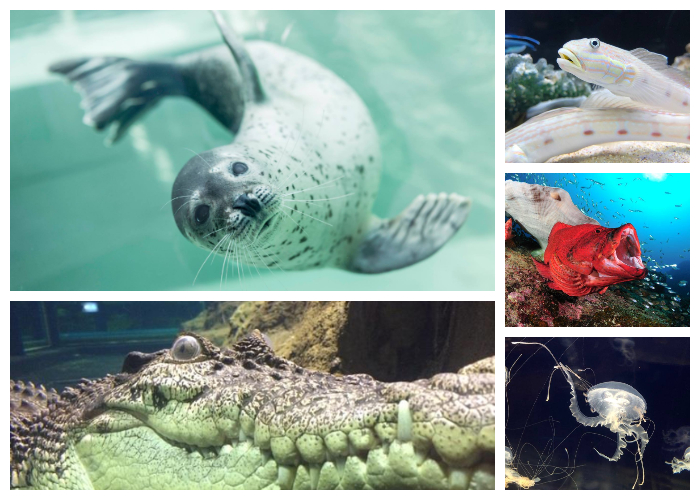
<point>588,258</point>
<point>509,229</point>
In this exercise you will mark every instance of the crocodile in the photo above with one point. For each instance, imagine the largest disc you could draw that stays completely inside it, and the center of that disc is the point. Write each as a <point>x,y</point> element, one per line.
<point>198,417</point>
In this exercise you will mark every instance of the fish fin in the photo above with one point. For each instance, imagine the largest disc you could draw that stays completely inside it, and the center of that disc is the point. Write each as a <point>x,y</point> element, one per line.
<point>413,235</point>
<point>603,98</point>
<point>554,112</point>
<point>558,227</point>
<point>659,63</point>
<point>543,269</point>
<point>603,290</point>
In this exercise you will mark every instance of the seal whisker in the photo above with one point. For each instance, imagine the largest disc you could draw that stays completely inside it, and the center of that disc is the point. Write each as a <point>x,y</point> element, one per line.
<point>205,161</point>
<point>226,255</point>
<point>205,260</point>
<point>328,199</point>
<point>303,213</point>
<point>295,222</point>
<point>313,187</point>
<point>176,198</point>
<point>268,267</point>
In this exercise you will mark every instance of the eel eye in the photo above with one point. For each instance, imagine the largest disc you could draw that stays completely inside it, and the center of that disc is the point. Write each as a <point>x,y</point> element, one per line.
<point>201,214</point>
<point>185,348</point>
<point>239,168</point>
<point>595,43</point>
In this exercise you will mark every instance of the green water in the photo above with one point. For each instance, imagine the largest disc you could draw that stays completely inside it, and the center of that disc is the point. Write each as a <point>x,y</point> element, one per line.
<point>89,217</point>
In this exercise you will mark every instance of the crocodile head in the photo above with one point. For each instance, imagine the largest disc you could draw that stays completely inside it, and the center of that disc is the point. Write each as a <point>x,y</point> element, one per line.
<point>195,416</point>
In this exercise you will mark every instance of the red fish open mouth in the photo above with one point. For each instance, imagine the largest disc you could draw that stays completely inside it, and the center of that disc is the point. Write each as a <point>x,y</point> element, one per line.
<point>624,257</point>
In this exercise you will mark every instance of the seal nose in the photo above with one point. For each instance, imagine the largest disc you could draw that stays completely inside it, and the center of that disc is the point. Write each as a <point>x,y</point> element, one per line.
<point>249,206</point>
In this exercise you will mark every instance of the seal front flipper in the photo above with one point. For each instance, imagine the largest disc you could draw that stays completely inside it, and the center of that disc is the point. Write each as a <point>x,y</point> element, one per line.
<point>417,233</point>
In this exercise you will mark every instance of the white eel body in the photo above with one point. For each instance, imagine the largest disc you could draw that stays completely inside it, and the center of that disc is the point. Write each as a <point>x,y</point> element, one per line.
<point>642,99</point>
<point>566,130</point>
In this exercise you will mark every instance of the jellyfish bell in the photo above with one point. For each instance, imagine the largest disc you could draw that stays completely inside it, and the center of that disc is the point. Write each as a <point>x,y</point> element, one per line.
<point>617,403</point>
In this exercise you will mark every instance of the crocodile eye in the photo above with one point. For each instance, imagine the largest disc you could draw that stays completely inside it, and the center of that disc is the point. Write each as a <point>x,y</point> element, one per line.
<point>201,214</point>
<point>595,43</point>
<point>239,168</point>
<point>185,348</point>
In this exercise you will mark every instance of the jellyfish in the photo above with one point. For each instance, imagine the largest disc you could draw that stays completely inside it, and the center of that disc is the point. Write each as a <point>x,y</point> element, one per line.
<point>677,464</point>
<point>619,407</point>
<point>626,348</point>
<point>678,439</point>
<point>512,476</point>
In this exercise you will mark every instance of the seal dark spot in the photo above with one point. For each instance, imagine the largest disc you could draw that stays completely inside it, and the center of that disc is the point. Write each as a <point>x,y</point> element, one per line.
<point>303,239</point>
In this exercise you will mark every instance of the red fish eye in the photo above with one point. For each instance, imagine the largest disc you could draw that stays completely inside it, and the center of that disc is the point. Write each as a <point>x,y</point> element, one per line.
<point>597,230</point>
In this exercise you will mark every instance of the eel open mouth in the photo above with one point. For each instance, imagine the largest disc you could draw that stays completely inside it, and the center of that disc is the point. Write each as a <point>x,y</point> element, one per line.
<point>568,59</point>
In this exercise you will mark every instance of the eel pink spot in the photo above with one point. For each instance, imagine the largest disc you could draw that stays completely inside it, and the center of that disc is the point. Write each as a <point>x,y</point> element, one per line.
<point>622,132</point>
<point>587,132</point>
<point>548,141</point>
<point>656,134</point>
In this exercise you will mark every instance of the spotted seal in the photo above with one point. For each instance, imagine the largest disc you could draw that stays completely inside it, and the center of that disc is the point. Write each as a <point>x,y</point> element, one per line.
<point>296,186</point>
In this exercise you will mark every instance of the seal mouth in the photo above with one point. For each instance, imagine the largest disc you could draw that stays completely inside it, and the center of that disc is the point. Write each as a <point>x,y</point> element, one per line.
<point>568,60</point>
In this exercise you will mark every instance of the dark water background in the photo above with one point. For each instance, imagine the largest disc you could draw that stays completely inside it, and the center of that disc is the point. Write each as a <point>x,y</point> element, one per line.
<point>58,343</point>
<point>663,31</point>
<point>545,432</point>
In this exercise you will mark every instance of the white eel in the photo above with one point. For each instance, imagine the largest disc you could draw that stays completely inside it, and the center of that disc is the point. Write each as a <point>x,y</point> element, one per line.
<point>640,101</point>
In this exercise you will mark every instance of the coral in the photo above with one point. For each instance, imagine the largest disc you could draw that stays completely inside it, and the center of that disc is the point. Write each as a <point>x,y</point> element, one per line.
<point>529,83</point>
<point>530,302</point>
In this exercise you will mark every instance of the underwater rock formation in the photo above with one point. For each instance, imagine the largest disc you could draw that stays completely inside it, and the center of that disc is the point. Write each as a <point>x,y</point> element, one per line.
<point>530,302</point>
<point>683,62</point>
<point>388,340</point>
<point>628,152</point>
<point>529,83</point>
<point>537,208</point>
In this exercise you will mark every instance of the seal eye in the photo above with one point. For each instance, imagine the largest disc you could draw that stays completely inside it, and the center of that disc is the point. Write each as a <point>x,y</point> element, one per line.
<point>595,43</point>
<point>201,214</point>
<point>239,168</point>
<point>185,348</point>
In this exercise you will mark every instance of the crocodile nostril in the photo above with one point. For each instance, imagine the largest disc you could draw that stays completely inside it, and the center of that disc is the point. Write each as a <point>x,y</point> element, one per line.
<point>249,206</point>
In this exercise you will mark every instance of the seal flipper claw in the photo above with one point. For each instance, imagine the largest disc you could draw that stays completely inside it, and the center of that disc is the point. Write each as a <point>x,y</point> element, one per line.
<point>417,233</point>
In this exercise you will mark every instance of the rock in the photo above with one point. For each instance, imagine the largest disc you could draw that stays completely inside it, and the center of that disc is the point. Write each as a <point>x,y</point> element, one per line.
<point>388,340</point>
<point>530,302</point>
<point>537,208</point>
<point>528,84</point>
<point>628,152</point>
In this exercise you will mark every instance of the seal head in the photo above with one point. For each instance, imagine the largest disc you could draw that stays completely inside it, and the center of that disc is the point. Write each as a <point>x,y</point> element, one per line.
<point>218,197</point>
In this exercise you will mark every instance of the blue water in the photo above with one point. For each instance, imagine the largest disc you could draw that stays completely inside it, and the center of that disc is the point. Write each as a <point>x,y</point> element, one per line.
<point>657,205</point>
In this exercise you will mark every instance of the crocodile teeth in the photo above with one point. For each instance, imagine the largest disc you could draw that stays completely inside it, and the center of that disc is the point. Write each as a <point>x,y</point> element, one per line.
<point>458,480</point>
<point>405,422</point>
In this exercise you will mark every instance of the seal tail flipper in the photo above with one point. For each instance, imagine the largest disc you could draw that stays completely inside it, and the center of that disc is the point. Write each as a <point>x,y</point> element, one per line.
<point>415,234</point>
<point>251,80</point>
<point>116,90</point>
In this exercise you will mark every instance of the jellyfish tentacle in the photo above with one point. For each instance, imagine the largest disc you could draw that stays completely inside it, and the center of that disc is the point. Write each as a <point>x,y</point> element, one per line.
<point>575,410</point>
<point>621,443</point>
